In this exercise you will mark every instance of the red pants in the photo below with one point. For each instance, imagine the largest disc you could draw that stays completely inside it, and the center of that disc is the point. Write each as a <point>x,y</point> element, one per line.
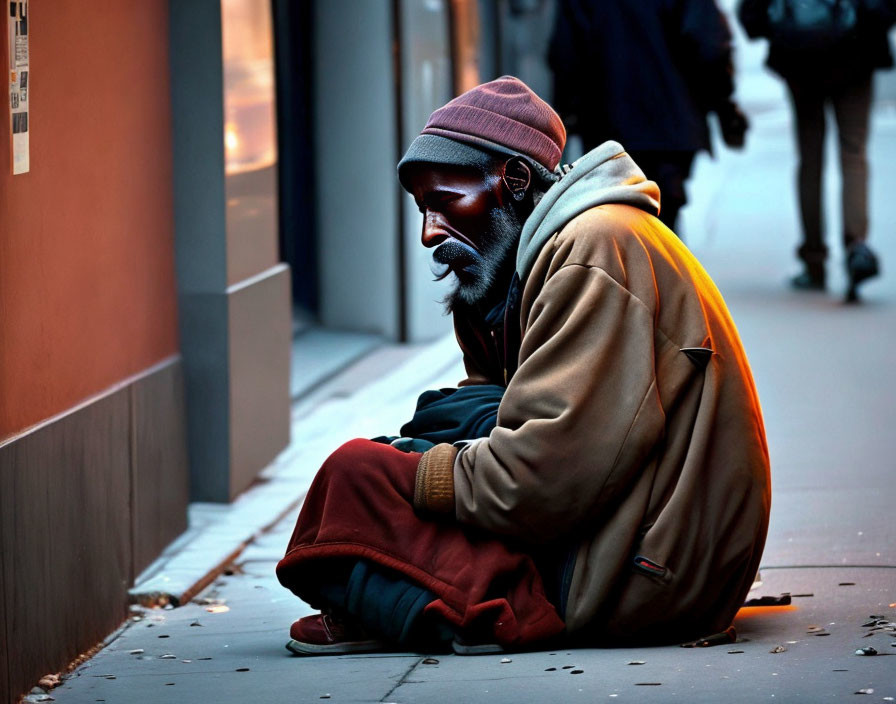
<point>360,507</point>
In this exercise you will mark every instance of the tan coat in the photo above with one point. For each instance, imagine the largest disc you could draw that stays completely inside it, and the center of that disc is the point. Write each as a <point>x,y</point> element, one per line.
<point>609,435</point>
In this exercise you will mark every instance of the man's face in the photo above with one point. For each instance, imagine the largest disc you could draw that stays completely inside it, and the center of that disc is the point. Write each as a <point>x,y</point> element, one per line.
<point>470,222</point>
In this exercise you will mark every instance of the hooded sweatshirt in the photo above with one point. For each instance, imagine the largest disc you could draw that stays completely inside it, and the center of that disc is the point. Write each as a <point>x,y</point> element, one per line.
<point>630,435</point>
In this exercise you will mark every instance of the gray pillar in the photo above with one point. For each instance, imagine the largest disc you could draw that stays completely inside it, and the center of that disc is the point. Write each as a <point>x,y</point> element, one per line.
<point>234,299</point>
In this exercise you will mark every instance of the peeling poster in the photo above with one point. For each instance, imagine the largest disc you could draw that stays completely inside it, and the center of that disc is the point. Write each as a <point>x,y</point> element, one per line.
<point>18,85</point>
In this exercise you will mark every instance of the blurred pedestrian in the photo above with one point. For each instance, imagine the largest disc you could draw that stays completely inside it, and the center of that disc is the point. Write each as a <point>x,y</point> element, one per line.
<point>826,51</point>
<point>646,74</point>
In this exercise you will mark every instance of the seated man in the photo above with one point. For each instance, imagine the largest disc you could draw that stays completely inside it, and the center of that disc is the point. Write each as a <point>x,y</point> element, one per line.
<point>601,476</point>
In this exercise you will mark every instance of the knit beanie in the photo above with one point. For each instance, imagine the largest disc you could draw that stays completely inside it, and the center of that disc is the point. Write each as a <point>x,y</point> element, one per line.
<point>503,116</point>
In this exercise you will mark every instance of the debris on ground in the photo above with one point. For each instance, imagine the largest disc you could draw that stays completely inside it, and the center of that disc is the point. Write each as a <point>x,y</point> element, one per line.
<point>778,649</point>
<point>865,691</point>
<point>782,600</point>
<point>866,651</point>
<point>817,631</point>
<point>576,672</point>
<point>136,651</point>
<point>49,681</point>
<point>729,635</point>
<point>153,600</point>
<point>209,601</point>
<point>636,662</point>
<point>735,652</point>
<point>430,661</point>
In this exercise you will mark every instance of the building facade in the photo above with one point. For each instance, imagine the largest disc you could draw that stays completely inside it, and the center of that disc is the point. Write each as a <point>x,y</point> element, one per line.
<point>208,181</point>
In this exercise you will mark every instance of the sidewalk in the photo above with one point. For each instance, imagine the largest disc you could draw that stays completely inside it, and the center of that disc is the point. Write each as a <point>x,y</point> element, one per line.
<point>827,383</point>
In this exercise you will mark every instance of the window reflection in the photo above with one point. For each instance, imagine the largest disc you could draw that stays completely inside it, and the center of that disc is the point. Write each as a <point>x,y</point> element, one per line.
<point>249,127</point>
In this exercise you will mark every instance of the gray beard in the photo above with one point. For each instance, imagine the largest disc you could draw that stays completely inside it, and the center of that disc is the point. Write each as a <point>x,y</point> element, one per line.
<point>473,273</point>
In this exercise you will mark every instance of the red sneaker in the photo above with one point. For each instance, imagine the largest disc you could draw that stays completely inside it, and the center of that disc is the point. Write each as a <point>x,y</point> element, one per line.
<point>325,634</point>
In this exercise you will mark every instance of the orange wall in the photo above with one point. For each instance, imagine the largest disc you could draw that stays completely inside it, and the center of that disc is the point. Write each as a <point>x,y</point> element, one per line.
<point>87,286</point>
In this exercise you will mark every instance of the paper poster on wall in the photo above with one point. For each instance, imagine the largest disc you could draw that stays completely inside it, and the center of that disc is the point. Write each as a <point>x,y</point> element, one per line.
<point>19,75</point>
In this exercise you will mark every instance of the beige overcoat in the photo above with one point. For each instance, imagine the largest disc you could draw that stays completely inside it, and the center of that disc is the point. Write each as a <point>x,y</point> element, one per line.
<point>631,428</point>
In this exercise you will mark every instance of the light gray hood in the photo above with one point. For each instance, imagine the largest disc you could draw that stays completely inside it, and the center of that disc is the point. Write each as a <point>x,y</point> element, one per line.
<point>607,174</point>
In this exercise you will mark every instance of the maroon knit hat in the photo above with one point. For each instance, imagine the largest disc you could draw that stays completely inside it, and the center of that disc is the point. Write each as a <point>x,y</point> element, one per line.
<point>503,115</point>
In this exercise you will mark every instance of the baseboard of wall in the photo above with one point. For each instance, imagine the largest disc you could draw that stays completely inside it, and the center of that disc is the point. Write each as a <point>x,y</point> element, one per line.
<point>87,500</point>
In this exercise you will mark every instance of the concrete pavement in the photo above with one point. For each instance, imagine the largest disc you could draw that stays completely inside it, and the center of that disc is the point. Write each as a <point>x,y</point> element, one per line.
<point>827,382</point>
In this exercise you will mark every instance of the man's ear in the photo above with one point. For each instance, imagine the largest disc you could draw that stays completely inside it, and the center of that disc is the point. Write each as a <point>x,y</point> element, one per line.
<point>517,177</point>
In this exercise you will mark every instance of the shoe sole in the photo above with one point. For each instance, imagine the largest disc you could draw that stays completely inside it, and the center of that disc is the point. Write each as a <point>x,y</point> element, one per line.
<point>359,646</point>
<point>856,278</point>
<point>477,649</point>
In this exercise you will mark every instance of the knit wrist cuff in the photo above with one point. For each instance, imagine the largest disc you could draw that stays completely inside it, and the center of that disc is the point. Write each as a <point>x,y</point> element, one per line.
<point>434,486</point>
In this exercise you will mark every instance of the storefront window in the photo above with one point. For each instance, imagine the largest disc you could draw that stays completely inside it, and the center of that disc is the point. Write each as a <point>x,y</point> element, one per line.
<point>249,119</point>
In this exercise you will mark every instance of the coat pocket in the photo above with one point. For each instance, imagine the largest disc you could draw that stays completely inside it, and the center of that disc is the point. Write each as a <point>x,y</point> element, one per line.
<point>659,573</point>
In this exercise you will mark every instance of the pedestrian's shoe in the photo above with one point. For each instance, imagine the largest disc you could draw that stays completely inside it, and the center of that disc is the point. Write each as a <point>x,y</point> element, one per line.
<point>861,264</point>
<point>812,278</point>
<point>326,634</point>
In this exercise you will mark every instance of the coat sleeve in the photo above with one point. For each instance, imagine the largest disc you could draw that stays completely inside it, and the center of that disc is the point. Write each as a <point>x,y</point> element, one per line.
<point>753,16</point>
<point>707,53</point>
<point>878,15</point>
<point>578,421</point>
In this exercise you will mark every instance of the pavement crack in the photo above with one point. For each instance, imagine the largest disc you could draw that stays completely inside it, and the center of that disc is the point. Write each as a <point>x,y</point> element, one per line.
<point>402,679</point>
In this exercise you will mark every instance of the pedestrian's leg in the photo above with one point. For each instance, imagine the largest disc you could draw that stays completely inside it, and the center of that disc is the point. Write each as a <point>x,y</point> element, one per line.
<point>808,109</point>
<point>852,107</point>
<point>673,172</point>
<point>670,170</point>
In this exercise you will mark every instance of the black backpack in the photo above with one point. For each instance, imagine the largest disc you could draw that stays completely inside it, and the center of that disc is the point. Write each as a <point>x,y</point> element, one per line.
<point>812,24</point>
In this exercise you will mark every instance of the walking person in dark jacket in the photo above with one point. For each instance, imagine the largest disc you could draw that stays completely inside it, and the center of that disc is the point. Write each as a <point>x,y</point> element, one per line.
<point>646,74</point>
<point>826,51</point>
